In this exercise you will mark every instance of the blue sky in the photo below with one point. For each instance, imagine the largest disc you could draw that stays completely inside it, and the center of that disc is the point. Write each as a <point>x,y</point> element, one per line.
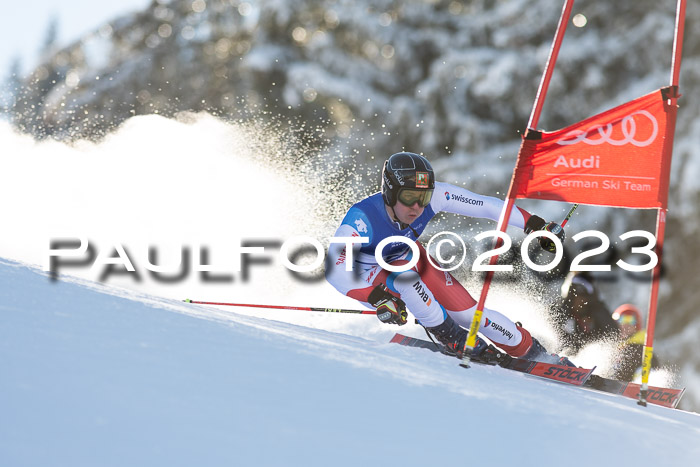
<point>23,24</point>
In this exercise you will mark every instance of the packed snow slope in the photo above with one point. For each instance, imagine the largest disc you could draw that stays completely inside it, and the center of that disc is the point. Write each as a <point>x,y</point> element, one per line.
<point>355,81</point>
<point>96,375</point>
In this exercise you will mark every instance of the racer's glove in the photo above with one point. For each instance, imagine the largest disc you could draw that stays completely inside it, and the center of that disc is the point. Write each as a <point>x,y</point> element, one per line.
<point>390,309</point>
<point>537,223</point>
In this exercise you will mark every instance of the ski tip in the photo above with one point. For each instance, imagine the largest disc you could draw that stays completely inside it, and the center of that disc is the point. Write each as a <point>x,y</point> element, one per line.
<point>397,338</point>
<point>187,300</point>
<point>677,400</point>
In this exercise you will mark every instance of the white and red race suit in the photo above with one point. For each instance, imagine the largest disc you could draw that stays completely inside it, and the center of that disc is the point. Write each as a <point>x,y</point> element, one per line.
<point>429,293</point>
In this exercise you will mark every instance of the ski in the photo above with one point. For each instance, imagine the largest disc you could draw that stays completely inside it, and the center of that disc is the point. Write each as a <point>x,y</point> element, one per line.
<point>665,397</point>
<point>552,371</point>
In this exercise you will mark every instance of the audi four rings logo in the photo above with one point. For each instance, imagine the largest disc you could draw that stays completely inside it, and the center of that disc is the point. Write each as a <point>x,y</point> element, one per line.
<point>604,133</point>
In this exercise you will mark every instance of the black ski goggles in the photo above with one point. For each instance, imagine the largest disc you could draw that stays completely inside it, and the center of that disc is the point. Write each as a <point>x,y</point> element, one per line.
<point>409,197</point>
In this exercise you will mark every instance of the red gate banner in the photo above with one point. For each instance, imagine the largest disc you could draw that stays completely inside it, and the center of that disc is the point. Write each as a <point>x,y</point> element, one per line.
<point>620,158</point>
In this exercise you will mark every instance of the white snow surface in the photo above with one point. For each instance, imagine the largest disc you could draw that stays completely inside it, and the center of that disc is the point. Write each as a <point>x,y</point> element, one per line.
<point>117,370</point>
<point>95,375</point>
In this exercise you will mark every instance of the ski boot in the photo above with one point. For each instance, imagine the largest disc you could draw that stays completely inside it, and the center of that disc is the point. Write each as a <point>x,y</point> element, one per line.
<point>538,353</point>
<point>453,337</point>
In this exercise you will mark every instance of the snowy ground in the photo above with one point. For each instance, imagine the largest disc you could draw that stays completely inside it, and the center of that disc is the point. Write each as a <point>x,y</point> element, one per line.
<point>94,375</point>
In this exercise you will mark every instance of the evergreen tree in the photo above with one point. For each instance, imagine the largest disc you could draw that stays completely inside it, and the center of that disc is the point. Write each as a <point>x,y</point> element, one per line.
<point>11,87</point>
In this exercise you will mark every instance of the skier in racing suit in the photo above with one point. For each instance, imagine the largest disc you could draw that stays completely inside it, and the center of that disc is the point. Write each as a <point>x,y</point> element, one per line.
<point>410,197</point>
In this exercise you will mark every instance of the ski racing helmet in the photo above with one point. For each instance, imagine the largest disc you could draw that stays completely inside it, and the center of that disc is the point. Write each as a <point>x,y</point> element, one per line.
<point>628,314</point>
<point>408,178</point>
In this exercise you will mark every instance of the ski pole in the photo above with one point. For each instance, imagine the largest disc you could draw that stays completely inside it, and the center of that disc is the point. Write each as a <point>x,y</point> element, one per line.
<point>568,216</point>
<point>286,307</point>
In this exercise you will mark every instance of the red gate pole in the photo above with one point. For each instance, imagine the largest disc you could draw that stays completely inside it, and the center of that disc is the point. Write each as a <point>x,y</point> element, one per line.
<point>661,213</point>
<point>508,205</point>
